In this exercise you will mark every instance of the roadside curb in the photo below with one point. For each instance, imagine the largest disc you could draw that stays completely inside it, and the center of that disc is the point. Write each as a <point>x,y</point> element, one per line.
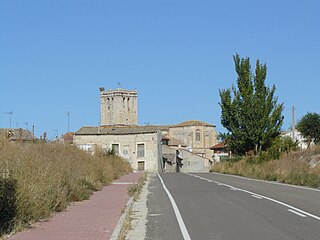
<point>118,231</point>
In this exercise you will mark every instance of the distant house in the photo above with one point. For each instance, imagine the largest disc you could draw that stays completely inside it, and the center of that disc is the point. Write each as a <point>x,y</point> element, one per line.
<point>296,136</point>
<point>67,138</point>
<point>17,134</point>
<point>220,150</point>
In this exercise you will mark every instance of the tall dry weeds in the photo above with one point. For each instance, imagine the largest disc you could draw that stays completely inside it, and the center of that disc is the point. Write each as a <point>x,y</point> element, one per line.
<point>299,168</point>
<point>49,176</point>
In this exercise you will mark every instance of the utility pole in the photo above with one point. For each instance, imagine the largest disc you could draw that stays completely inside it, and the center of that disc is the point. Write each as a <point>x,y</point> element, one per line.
<point>68,114</point>
<point>10,115</point>
<point>292,126</point>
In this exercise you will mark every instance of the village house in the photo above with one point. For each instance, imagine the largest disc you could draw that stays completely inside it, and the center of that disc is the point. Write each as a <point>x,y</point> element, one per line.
<point>181,147</point>
<point>17,135</point>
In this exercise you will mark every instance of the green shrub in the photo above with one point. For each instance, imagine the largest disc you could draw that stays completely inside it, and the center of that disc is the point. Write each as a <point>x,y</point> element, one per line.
<point>230,159</point>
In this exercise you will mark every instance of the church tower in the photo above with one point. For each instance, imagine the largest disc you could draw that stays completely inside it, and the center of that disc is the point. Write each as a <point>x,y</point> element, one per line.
<point>118,107</point>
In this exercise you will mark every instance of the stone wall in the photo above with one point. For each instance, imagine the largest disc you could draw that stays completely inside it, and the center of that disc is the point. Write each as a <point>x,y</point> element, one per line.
<point>193,163</point>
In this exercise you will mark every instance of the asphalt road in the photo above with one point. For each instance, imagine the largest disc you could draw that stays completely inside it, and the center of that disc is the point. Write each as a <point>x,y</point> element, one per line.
<point>215,206</point>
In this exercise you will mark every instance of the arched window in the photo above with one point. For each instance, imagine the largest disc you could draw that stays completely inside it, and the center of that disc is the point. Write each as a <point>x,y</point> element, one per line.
<point>198,136</point>
<point>108,103</point>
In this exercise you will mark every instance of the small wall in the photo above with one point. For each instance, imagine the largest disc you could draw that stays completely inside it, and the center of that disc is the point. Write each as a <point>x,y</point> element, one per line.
<point>194,163</point>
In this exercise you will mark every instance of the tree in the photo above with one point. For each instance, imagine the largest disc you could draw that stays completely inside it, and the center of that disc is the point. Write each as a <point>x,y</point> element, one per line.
<point>250,112</point>
<point>309,126</point>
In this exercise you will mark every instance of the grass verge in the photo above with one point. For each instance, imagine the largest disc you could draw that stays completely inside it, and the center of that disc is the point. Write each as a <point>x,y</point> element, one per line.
<point>134,192</point>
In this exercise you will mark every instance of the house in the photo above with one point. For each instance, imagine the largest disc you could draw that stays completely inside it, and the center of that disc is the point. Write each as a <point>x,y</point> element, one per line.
<point>140,145</point>
<point>296,136</point>
<point>152,148</point>
<point>67,138</point>
<point>220,150</point>
<point>17,134</point>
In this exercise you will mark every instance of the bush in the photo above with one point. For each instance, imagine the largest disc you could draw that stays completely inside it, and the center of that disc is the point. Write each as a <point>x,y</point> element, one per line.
<point>230,159</point>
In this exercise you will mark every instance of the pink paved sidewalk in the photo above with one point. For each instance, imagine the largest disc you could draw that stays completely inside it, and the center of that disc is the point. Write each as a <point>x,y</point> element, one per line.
<point>92,219</point>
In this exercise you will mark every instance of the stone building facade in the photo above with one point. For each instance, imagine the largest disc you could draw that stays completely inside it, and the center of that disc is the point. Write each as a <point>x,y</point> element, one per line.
<point>140,145</point>
<point>118,107</point>
<point>198,136</point>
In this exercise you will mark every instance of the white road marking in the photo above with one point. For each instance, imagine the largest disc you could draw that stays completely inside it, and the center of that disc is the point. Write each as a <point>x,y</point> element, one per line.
<point>271,182</point>
<point>182,226</point>
<point>256,196</point>
<point>272,200</point>
<point>297,213</point>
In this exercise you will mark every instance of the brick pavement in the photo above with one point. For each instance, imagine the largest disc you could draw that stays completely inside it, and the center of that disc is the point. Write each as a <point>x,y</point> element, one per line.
<point>91,219</point>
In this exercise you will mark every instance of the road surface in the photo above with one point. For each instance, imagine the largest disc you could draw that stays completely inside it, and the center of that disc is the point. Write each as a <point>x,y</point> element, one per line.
<point>223,207</point>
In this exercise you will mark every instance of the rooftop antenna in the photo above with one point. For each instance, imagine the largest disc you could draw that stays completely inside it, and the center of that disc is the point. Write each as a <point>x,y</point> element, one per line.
<point>68,114</point>
<point>119,85</point>
<point>10,116</point>
<point>27,124</point>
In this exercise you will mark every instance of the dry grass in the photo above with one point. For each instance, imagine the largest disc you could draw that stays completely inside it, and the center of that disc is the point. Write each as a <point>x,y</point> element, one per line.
<point>135,189</point>
<point>299,168</point>
<point>47,177</point>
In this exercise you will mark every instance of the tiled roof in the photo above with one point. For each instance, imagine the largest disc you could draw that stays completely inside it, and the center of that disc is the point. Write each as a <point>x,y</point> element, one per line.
<point>18,134</point>
<point>117,130</point>
<point>218,146</point>
<point>193,123</point>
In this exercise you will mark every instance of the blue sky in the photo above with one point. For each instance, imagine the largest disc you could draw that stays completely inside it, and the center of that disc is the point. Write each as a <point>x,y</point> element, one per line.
<point>54,56</point>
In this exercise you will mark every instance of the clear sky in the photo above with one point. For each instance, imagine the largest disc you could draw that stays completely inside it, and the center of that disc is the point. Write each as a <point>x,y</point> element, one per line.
<point>54,56</point>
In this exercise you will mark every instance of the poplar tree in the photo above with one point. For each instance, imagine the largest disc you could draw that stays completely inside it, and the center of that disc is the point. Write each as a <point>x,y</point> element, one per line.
<point>250,111</point>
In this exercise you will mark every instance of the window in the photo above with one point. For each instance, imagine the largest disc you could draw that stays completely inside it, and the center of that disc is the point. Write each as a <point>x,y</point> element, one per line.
<point>140,150</point>
<point>115,148</point>
<point>128,104</point>
<point>108,103</point>
<point>141,166</point>
<point>198,135</point>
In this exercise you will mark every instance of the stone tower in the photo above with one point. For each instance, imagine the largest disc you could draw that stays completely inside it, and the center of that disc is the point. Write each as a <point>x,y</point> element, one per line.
<point>118,107</point>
